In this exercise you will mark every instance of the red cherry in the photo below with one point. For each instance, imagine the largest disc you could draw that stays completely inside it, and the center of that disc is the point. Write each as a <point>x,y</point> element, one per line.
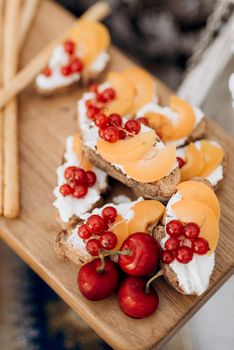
<point>76,66</point>
<point>80,191</point>
<point>200,246</point>
<point>115,119</point>
<point>69,47</point>
<point>66,190</point>
<point>111,134</point>
<point>167,256</point>
<point>96,285</point>
<point>184,254</point>
<point>144,255</point>
<point>95,224</point>
<point>92,111</point>
<point>191,230</point>
<point>69,173</point>
<point>172,243</point>
<point>134,301</point>
<point>122,134</point>
<point>109,94</point>
<point>47,72</point>
<point>80,176</point>
<point>109,214</point>
<point>91,178</point>
<point>180,161</point>
<point>174,228</point>
<point>133,126</point>
<point>108,240</point>
<point>143,120</point>
<point>100,120</point>
<point>93,88</point>
<point>66,70</point>
<point>93,246</point>
<point>83,232</point>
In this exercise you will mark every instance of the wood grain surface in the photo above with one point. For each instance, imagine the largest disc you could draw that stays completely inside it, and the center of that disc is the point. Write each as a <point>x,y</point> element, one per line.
<point>44,125</point>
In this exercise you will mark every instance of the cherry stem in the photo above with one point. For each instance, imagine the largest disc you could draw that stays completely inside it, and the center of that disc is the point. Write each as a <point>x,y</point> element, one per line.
<point>147,287</point>
<point>103,253</point>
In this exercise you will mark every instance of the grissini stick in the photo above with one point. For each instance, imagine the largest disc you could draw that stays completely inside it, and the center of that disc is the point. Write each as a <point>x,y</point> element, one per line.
<point>1,114</point>
<point>27,15</point>
<point>27,74</point>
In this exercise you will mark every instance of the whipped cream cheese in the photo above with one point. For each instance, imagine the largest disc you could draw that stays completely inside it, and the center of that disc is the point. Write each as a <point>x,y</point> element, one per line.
<point>90,131</point>
<point>217,173</point>
<point>171,115</point>
<point>124,209</point>
<point>193,277</point>
<point>68,206</point>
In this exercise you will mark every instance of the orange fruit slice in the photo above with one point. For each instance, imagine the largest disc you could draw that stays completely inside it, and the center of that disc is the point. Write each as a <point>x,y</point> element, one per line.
<point>212,156</point>
<point>193,163</point>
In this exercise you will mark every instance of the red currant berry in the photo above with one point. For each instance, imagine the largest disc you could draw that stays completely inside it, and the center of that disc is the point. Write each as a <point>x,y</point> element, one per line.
<point>93,88</point>
<point>133,126</point>
<point>167,257</point>
<point>47,72</point>
<point>109,94</point>
<point>111,134</point>
<point>172,243</point>
<point>143,120</point>
<point>90,178</point>
<point>180,162</point>
<point>100,120</point>
<point>69,173</point>
<point>200,246</point>
<point>93,246</point>
<point>83,232</point>
<point>92,111</point>
<point>95,224</point>
<point>101,133</point>
<point>122,134</point>
<point>191,230</point>
<point>101,98</point>
<point>80,176</point>
<point>108,240</point>
<point>69,47</point>
<point>66,190</point>
<point>109,214</point>
<point>184,254</point>
<point>115,119</point>
<point>88,103</point>
<point>76,66</point>
<point>174,228</point>
<point>80,191</point>
<point>66,70</point>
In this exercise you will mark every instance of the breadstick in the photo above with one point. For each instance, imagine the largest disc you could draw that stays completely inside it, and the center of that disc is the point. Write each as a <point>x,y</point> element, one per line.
<point>27,74</point>
<point>1,114</point>
<point>28,13</point>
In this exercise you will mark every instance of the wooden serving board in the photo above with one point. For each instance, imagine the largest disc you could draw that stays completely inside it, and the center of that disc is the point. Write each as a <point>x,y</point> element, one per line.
<point>44,125</point>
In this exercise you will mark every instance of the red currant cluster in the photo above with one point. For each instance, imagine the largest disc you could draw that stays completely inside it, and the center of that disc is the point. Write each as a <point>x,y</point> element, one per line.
<point>180,162</point>
<point>78,181</point>
<point>96,231</point>
<point>75,65</point>
<point>183,242</point>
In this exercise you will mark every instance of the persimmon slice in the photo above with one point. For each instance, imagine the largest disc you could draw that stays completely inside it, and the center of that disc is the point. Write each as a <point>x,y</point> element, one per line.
<point>212,155</point>
<point>193,163</point>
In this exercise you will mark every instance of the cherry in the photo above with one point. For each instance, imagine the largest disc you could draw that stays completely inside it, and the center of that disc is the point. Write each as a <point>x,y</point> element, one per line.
<point>69,47</point>
<point>200,246</point>
<point>181,161</point>
<point>47,72</point>
<point>109,94</point>
<point>184,254</point>
<point>122,134</point>
<point>92,111</point>
<point>69,173</point>
<point>172,243</point>
<point>115,119</point>
<point>95,284</point>
<point>80,191</point>
<point>191,230</point>
<point>95,224</point>
<point>144,255</point>
<point>143,120</point>
<point>66,190</point>
<point>66,70</point>
<point>83,232</point>
<point>111,134</point>
<point>109,214</point>
<point>91,178</point>
<point>134,301</point>
<point>133,126</point>
<point>167,256</point>
<point>80,176</point>
<point>93,88</point>
<point>100,120</point>
<point>108,240</point>
<point>93,246</point>
<point>76,66</point>
<point>174,228</point>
